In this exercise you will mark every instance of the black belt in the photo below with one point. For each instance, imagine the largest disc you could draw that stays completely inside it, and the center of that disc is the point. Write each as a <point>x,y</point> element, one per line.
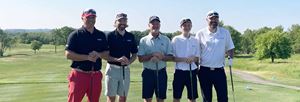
<point>163,69</point>
<point>211,68</point>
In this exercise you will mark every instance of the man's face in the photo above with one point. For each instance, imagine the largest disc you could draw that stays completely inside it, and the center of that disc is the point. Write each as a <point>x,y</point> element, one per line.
<point>154,27</point>
<point>213,22</point>
<point>89,20</point>
<point>121,24</point>
<point>186,27</point>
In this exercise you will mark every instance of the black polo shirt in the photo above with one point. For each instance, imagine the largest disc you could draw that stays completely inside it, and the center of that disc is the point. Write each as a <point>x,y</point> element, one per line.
<point>121,45</point>
<point>83,42</point>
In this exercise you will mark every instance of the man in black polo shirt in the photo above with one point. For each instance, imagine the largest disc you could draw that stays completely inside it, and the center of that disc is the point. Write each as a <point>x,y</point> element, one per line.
<point>85,47</point>
<point>122,51</point>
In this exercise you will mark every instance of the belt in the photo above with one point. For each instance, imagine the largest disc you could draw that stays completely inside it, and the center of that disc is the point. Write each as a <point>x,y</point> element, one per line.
<point>79,70</point>
<point>117,66</point>
<point>211,68</point>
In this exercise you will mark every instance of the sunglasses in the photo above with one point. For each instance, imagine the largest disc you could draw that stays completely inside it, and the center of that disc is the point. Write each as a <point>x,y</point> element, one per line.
<point>213,14</point>
<point>90,11</point>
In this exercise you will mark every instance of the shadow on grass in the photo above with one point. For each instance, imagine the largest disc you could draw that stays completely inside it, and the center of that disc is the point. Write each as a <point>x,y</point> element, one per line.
<point>12,55</point>
<point>244,56</point>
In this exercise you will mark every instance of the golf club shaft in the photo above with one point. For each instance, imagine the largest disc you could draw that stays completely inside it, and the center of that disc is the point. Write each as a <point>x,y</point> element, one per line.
<point>123,70</point>
<point>191,78</point>
<point>157,81</point>
<point>232,87</point>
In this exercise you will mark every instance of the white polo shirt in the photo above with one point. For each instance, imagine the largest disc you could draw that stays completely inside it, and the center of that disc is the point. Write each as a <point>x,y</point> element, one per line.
<point>185,47</point>
<point>214,46</point>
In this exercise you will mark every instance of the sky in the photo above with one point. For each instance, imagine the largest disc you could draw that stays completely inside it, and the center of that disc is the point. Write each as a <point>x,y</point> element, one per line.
<point>241,14</point>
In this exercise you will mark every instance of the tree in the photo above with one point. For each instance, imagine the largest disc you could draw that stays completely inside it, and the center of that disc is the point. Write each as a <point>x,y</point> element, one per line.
<point>236,38</point>
<point>36,45</point>
<point>273,44</point>
<point>294,36</point>
<point>5,42</point>
<point>60,36</point>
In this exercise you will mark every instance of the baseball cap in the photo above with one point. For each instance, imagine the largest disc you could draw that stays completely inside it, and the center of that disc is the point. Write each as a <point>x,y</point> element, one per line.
<point>121,15</point>
<point>184,20</point>
<point>153,18</point>
<point>88,12</point>
<point>212,13</point>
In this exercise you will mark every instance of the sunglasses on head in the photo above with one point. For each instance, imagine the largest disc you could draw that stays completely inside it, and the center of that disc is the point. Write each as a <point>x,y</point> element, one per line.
<point>213,14</point>
<point>91,11</point>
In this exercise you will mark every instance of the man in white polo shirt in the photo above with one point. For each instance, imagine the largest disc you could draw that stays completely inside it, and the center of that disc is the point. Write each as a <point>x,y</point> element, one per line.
<point>186,51</point>
<point>215,42</point>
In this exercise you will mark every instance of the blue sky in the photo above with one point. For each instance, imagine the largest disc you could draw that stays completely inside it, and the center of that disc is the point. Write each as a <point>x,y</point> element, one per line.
<point>241,14</point>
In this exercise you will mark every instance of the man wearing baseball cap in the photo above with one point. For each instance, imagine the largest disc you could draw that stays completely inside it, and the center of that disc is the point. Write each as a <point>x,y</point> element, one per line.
<point>122,51</point>
<point>86,47</point>
<point>186,52</point>
<point>215,42</point>
<point>154,51</point>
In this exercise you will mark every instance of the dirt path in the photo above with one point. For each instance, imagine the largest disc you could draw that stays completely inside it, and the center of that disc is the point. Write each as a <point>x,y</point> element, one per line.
<point>256,79</point>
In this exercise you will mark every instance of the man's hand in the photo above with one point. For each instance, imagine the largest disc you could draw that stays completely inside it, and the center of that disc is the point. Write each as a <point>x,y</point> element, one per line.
<point>158,55</point>
<point>154,59</point>
<point>93,56</point>
<point>123,60</point>
<point>230,61</point>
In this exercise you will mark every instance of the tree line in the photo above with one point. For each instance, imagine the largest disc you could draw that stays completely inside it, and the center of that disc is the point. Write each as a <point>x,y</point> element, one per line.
<point>265,42</point>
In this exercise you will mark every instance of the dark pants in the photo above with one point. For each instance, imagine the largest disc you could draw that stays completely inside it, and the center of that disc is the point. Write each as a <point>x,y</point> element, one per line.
<point>150,84</point>
<point>209,78</point>
<point>183,78</point>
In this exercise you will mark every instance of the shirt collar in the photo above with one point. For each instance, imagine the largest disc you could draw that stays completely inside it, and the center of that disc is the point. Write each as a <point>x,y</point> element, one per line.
<point>210,33</point>
<point>151,37</point>
<point>118,34</point>
<point>183,37</point>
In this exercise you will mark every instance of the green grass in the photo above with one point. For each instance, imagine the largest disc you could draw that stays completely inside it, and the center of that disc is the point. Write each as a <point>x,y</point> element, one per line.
<point>42,77</point>
<point>286,71</point>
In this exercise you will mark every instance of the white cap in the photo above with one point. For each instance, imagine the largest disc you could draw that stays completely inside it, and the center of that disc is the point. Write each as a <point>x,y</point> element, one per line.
<point>212,13</point>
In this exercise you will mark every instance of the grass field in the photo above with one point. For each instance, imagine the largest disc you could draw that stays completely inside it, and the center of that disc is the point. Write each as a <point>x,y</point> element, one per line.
<point>42,77</point>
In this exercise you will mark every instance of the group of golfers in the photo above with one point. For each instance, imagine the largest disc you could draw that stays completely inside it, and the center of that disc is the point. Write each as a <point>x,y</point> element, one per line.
<point>202,55</point>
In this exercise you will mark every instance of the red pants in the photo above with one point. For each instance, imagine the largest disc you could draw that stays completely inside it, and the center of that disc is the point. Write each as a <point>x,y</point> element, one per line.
<point>81,83</point>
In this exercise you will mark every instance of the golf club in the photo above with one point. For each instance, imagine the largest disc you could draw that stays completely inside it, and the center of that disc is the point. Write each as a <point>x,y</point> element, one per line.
<point>232,87</point>
<point>191,78</point>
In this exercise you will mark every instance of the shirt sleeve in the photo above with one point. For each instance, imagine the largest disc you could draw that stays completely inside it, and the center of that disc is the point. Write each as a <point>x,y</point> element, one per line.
<point>141,48</point>
<point>198,52</point>
<point>173,45</point>
<point>229,43</point>
<point>103,44</point>
<point>169,47</point>
<point>134,48</point>
<point>71,43</point>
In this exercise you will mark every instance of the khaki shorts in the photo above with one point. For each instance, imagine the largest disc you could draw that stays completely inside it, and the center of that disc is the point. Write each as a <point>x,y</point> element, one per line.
<point>114,83</point>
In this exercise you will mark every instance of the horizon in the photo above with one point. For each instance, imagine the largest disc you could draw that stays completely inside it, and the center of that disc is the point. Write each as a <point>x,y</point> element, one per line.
<point>241,15</point>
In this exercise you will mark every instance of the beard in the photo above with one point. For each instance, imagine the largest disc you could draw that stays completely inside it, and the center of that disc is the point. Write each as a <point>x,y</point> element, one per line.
<point>122,27</point>
<point>214,25</point>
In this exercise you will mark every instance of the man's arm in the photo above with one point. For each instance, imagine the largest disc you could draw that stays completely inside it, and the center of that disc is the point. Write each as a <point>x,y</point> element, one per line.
<point>104,55</point>
<point>230,53</point>
<point>75,57</point>
<point>144,58</point>
<point>168,58</point>
<point>180,59</point>
<point>133,58</point>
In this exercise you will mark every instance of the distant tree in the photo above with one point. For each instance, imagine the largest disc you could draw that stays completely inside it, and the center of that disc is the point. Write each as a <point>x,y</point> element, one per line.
<point>177,33</point>
<point>5,42</point>
<point>236,37</point>
<point>294,36</point>
<point>138,35</point>
<point>60,36</point>
<point>36,45</point>
<point>273,44</point>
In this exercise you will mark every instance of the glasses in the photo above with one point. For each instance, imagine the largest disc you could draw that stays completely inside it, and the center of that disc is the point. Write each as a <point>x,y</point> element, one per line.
<point>213,14</point>
<point>122,15</point>
<point>90,11</point>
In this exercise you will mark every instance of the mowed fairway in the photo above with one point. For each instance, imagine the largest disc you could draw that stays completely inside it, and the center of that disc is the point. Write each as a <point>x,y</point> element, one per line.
<point>42,77</point>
